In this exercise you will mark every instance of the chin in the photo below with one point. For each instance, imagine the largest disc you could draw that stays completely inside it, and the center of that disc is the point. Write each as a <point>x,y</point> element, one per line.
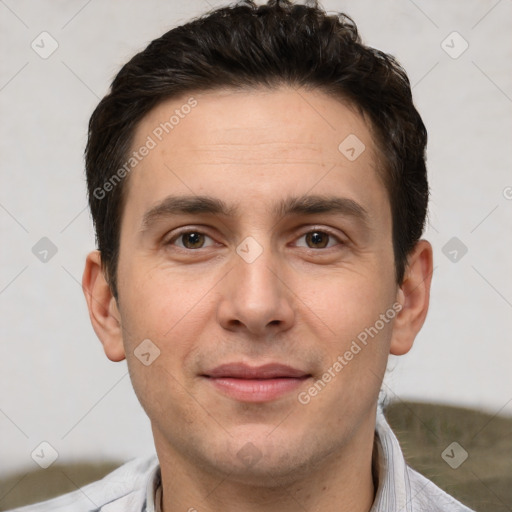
<point>260,460</point>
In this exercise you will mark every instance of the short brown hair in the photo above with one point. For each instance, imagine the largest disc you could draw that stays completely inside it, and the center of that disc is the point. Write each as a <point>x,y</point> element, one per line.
<point>246,45</point>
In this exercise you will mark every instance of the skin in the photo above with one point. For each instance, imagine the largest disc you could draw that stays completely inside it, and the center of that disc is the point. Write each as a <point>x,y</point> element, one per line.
<point>301,302</point>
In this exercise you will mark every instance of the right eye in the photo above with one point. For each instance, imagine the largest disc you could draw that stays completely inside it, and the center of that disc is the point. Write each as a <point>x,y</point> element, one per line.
<point>190,239</point>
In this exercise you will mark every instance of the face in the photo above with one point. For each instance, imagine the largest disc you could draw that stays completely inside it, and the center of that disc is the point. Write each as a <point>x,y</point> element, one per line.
<point>255,254</point>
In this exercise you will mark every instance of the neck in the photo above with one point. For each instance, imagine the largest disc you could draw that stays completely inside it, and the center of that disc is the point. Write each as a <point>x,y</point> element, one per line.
<point>342,482</point>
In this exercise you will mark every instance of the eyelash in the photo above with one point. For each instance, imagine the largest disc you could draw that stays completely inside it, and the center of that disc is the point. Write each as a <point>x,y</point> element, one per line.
<point>177,236</point>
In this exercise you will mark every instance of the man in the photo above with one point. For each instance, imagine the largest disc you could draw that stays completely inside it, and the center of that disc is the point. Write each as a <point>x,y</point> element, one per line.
<point>258,186</point>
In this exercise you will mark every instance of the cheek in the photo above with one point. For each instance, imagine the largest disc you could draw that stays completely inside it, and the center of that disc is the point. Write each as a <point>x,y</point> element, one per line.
<point>351,301</point>
<point>163,394</point>
<point>160,310</point>
<point>157,301</point>
<point>169,309</point>
<point>359,317</point>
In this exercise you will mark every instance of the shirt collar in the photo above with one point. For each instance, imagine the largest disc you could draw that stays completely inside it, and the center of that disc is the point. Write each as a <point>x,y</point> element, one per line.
<point>394,490</point>
<point>390,468</point>
<point>154,491</point>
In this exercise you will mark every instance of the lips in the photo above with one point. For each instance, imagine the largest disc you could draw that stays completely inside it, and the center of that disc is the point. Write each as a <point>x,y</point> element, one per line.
<point>264,383</point>
<point>267,371</point>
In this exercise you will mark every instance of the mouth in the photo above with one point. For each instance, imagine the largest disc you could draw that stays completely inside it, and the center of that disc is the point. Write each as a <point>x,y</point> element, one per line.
<point>246,383</point>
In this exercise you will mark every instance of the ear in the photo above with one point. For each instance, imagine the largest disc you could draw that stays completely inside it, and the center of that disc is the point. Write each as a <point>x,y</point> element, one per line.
<point>103,310</point>
<point>414,296</point>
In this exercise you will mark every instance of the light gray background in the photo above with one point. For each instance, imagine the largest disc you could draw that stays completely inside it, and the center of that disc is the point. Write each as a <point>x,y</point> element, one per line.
<point>57,385</point>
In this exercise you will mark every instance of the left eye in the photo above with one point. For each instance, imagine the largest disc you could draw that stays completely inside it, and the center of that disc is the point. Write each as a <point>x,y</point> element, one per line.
<point>319,239</point>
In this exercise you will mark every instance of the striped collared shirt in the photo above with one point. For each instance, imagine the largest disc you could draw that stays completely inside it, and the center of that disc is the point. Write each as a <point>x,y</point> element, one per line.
<point>135,486</point>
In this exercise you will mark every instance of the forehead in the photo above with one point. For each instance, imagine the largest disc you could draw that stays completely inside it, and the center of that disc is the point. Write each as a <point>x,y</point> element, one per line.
<point>241,143</point>
<point>284,119</point>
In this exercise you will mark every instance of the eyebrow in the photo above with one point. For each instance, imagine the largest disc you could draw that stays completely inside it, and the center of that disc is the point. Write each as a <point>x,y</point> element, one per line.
<point>300,205</point>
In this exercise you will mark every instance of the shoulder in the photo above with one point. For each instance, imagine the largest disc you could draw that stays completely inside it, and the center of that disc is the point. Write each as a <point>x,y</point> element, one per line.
<point>400,486</point>
<point>123,489</point>
<point>428,496</point>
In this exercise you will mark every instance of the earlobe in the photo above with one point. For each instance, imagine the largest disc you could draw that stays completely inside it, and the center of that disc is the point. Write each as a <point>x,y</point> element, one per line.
<point>414,296</point>
<point>102,306</point>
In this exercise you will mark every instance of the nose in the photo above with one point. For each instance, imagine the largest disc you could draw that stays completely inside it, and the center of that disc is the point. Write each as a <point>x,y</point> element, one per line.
<point>256,297</point>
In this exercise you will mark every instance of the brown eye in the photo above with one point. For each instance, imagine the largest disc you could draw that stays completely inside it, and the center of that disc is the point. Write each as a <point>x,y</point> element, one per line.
<point>190,240</point>
<point>317,239</point>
